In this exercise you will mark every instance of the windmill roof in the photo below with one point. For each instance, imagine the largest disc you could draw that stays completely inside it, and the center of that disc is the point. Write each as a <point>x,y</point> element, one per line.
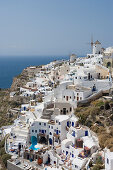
<point>97,42</point>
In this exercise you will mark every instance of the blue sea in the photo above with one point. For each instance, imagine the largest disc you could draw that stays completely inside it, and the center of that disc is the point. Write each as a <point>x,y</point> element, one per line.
<point>13,66</point>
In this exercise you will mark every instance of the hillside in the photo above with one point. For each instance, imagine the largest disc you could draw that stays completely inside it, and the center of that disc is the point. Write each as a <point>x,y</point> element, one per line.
<point>98,116</point>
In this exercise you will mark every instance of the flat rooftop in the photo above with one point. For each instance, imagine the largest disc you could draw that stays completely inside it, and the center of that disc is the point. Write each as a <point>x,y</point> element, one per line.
<point>61,117</point>
<point>78,88</point>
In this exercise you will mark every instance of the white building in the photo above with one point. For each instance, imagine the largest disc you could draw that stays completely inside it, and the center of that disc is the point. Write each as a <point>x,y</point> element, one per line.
<point>57,129</point>
<point>39,130</point>
<point>78,163</point>
<point>108,160</point>
<point>89,143</point>
<point>75,133</point>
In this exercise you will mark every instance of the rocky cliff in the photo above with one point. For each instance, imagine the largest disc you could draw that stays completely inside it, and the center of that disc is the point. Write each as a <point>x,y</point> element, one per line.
<point>20,80</point>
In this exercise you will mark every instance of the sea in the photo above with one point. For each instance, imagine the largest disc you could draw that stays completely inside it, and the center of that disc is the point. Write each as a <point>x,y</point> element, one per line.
<point>13,66</point>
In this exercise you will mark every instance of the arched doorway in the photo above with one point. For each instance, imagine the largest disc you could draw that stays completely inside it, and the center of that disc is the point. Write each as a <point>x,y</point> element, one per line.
<point>108,64</point>
<point>42,140</point>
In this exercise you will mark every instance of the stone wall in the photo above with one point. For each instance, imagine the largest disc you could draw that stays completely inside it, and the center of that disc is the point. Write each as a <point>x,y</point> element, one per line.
<point>12,166</point>
<point>108,62</point>
<point>89,99</point>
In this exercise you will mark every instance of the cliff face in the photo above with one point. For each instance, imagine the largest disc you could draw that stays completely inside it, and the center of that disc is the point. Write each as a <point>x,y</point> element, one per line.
<point>23,78</point>
<point>20,80</point>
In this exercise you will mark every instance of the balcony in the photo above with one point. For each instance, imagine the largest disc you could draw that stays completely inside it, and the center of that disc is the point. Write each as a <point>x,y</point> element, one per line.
<point>52,122</point>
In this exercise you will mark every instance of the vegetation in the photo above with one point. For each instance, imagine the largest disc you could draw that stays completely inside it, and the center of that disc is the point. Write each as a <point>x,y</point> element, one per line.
<point>97,167</point>
<point>98,117</point>
<point>5,105</point>
<point>3,156</point>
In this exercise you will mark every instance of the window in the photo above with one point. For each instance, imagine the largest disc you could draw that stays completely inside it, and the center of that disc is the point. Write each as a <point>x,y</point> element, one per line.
<point>73,133</point>
<point>39,123</point>
<point>70,109</point>
<point>72,156</point>
<point>59,123</point>
<point>76,166</point>
<point>59,131</point>
<point>64,96</point>
<point>44,124</point>
<point>56,121</point>
<point>42,131</point>
<point>35,131</point>
<point>32,130</point>
<point>70,97</point>
<point>51,127</point>
<point>45,131</point>
<point>50,133</point>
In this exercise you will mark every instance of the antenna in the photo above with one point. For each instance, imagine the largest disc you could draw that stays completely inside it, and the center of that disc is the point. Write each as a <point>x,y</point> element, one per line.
<point>92,41</point>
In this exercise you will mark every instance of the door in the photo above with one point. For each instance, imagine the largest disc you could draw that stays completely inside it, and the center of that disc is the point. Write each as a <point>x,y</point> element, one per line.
<point>88,76</point>
<point>86,133</point>
<point>66,98</point>
<point>50,141</point>
<point>64,111</point>
<point>57,132</point>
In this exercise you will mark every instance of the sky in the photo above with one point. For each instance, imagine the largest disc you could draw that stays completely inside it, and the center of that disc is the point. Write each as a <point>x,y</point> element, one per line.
<point>54,27</point>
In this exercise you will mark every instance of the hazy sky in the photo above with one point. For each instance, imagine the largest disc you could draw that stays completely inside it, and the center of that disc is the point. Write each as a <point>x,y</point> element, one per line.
<point>54,27</point>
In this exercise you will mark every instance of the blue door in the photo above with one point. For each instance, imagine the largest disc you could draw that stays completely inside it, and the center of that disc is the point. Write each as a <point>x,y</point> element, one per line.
<point>72,123</point>
<point>24,108</point>
<point>66,152</point>
<point>43,131</point>
<point>68,123</point>
<point>86,133</point>
<point>57,132</point>
<point>50,141</point>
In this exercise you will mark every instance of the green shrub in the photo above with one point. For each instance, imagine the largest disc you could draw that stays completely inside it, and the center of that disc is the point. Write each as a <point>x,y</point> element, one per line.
<point>2,143</point>
<point>2,151</point>
<point>97,167</point>
<point>5,157</point>
<point>107,106</point>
